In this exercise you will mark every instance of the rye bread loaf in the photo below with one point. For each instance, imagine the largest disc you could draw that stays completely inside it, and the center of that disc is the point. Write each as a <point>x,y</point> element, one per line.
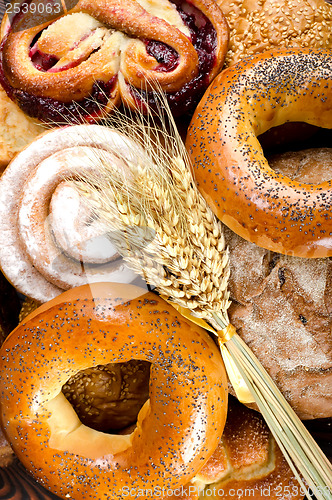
<point>282,305</point>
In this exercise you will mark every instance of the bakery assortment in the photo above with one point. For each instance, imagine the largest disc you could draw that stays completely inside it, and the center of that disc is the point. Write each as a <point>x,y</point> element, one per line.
<point>107,391</point>
<point>177,428</point>
<point>235,178</point>
<point>99,54</point>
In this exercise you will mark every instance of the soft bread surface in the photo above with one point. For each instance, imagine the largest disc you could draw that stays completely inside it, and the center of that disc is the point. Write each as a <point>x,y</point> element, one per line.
<point>258,25</point>
<point>282,305</point>
<point>232,173</point>
<point>177,429</point>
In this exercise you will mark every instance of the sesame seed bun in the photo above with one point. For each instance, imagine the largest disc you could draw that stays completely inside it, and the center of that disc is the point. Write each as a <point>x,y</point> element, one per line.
<point>258,25</point>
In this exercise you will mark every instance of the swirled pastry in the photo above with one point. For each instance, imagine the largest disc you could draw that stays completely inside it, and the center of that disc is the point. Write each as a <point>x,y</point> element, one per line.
<point>99,53</point>
<point>49,240</point>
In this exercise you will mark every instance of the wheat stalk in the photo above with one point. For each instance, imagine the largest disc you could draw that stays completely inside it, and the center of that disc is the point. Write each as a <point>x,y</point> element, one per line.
<point>189,267</point>
<point>166,233</point>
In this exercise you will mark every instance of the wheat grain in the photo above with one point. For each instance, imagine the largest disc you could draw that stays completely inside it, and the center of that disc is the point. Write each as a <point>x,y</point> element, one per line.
<point>183,252</point>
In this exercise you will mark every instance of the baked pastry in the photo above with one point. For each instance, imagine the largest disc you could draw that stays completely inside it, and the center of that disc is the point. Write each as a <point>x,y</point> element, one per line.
<point>247,457</point>
<point>109,397</point>
<point>282,305</point>
<point>16,129</point>
<point>247,462</point>
<point>258,25</point>
<point>178,428</point>
<point>50,240</point>
<point>82,63</point>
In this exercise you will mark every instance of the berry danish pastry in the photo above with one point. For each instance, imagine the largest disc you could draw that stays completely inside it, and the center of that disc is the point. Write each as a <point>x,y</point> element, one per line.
<point>99,53</point>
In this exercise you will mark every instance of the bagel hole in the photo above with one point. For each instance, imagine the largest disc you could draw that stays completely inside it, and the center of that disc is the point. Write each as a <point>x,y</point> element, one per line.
<point>109,397</point>
<point>294,136</point>
<point>299,151</point>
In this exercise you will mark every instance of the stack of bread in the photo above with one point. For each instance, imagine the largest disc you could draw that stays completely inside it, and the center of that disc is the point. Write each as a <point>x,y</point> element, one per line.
<point>106,391</point>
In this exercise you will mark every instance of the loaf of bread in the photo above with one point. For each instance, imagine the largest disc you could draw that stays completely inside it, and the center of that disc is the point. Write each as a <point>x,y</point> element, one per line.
<point>282,305</point>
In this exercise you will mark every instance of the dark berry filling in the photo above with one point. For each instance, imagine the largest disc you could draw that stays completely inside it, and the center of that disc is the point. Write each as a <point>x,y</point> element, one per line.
<point>46,62</point>
<point>48,109</point>
<point>167,57</point>
<point>204,39</point>
<point>52,110</point>
<point>41,61</point>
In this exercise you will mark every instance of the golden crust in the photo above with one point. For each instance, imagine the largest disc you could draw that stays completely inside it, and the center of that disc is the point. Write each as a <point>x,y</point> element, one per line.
<point>258,25</point>
<point>244,101</point>
<point>248,460</point>
<point>16,129</point>
<point>111,50</point>
<point>243,450</point>
<point>176,430</point>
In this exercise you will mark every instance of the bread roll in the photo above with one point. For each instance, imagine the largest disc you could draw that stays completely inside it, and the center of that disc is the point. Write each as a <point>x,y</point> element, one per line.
<point>248,462</point>
<point>178,428</point>
<point>230,167</point>
<point>258,25</point>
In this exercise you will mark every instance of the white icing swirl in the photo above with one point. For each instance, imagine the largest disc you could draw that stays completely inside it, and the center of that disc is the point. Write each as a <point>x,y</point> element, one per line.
<point>49,240</point>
